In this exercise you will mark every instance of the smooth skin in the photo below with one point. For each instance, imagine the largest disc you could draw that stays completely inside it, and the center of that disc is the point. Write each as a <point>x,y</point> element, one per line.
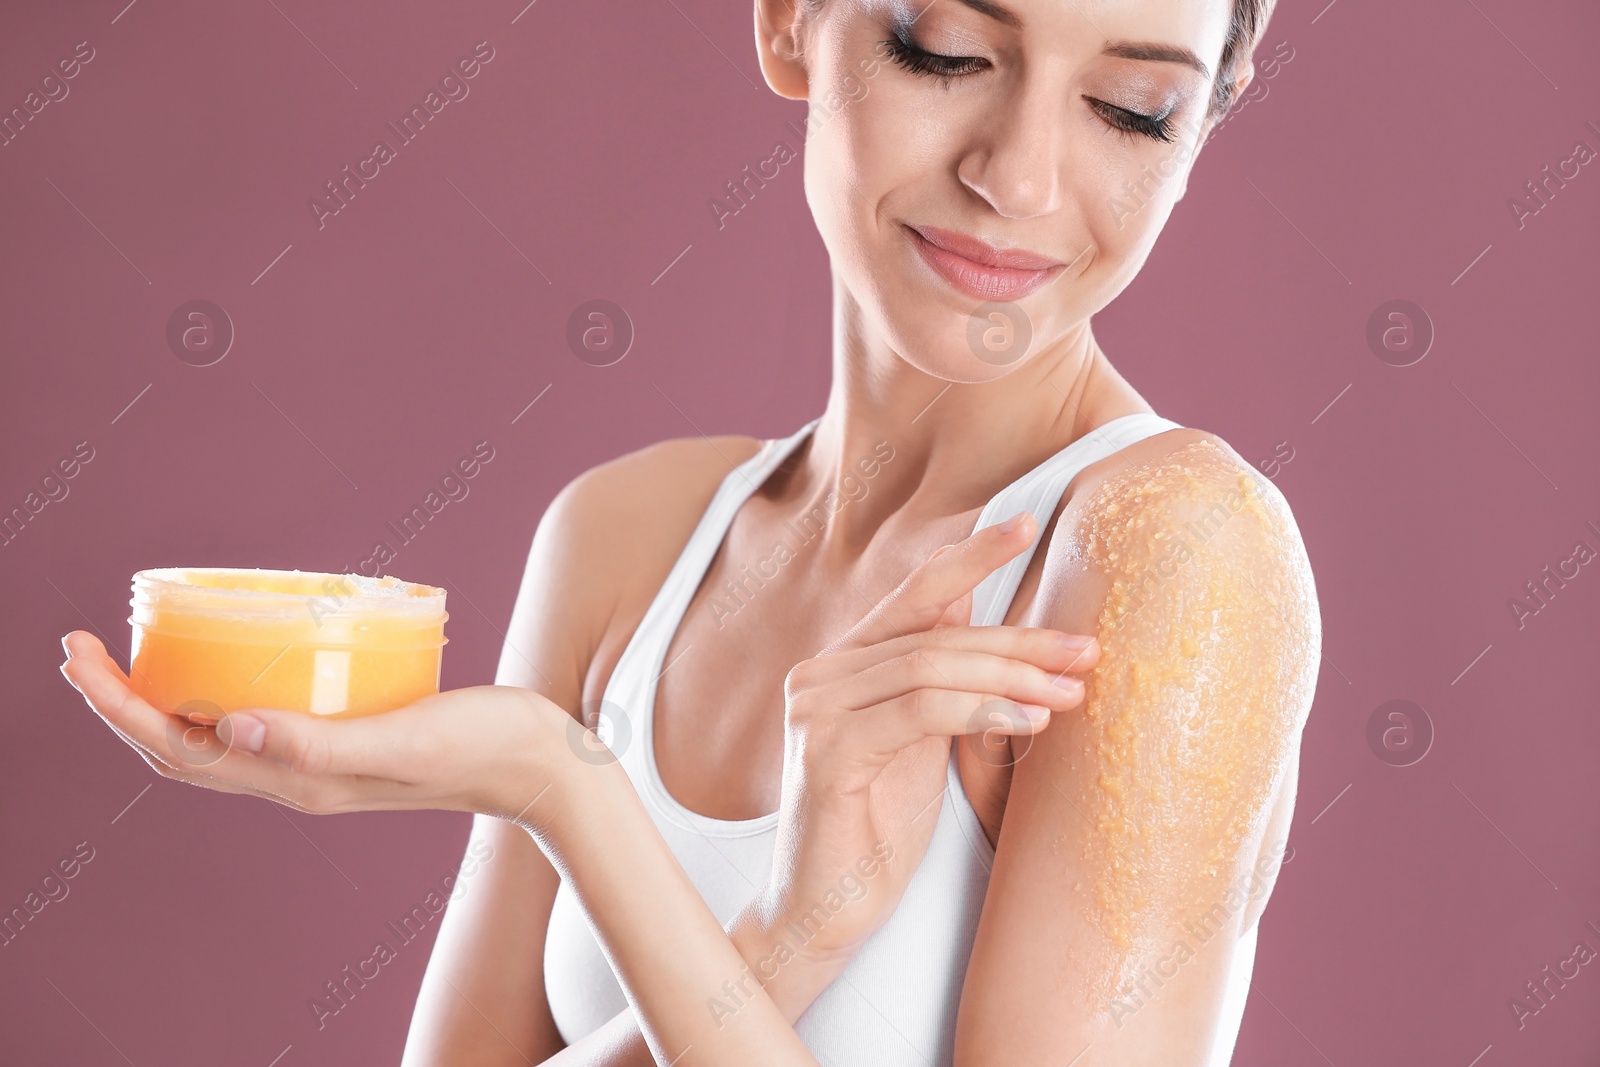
<point>1021,151</point>
<point>870,720</point>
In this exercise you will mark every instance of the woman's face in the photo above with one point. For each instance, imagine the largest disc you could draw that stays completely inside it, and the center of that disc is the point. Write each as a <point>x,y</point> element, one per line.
<point>1060,128</point>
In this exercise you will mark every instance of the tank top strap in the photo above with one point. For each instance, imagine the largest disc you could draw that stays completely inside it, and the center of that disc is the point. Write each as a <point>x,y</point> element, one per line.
<point>1039,491</point>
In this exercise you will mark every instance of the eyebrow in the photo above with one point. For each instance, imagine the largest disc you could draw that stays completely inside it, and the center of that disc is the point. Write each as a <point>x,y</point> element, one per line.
<point>1000,14</point>
<point>1159,53</point>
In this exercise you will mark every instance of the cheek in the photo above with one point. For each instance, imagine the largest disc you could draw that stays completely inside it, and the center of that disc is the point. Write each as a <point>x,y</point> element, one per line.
<point>1128,193</point>
<point>1124,196</point>
<point>868,166</point>
<point>867,156</point>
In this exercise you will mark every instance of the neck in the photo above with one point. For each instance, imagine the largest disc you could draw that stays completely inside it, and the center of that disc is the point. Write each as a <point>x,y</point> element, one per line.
<point>950,446</point>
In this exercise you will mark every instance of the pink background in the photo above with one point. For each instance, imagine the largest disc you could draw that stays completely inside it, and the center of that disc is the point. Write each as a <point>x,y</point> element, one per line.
<point>380,348</point>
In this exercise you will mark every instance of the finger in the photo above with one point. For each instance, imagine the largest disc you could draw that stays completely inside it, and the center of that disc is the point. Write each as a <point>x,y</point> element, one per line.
<point>411,757</point>
<point>177,748</point>
<point>306,744</point>
<point>225,758</point>
<point>959,613</point>
<point>960,671</point>
<point>190,748</point>
<point>95,675</point>
<point>887,728</point>
<point>1050,650</point>
<point>399,745</point>
<point>933,589</point>
<point>172,746</point>
<point>67,643</point>
<point>74,642</point>
<point>192,775</point>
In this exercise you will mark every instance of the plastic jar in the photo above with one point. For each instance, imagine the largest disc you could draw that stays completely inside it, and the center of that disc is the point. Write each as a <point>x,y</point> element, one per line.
<point>213,640</point>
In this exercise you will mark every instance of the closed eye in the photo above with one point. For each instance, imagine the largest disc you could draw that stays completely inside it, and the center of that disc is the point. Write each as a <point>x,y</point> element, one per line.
<point>1156,127</point>
<point>918,60</point>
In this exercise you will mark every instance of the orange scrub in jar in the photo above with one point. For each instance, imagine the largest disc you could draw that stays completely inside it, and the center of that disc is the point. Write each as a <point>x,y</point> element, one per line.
<point>212,640</point>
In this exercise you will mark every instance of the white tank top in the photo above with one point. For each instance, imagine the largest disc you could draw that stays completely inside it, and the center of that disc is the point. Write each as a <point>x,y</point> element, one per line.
<point>895,1004</point>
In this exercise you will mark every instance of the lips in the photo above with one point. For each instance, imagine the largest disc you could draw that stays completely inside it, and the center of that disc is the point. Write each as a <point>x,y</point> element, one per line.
<point>979,269</point>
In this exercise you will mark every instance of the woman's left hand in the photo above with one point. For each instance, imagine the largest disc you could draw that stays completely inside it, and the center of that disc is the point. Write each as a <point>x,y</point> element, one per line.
<point>475,749</point>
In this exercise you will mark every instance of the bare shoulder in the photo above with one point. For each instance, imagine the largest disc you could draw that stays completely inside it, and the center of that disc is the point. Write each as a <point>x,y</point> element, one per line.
<point>1178,524</point>
<point>669,483</point>
<point>1179,464</point>
<point>622,523</point>
<point>604,546</point>
<point>1186,501</point>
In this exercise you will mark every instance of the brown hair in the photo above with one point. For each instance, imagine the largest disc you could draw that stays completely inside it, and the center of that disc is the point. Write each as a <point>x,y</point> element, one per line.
<point>1245,26</point>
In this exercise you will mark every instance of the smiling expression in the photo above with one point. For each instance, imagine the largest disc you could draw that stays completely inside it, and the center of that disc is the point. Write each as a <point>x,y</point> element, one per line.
<point>1018,151</point>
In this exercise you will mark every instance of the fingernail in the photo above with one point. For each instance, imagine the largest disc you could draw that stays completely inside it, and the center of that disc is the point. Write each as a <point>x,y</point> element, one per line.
<point>64,647</point>
<point>242,731</point>
<point>1032,713</point>
<point>1075,642</point>
<point>1067,682</point>
<point>1012,523</point>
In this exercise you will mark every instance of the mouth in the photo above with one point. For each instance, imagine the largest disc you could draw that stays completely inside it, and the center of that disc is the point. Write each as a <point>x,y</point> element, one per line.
<point>979,269</point>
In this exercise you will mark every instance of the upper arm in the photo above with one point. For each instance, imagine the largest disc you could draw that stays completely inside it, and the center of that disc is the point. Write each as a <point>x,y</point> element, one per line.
<point>1142,829</point>
<point>483,997</point>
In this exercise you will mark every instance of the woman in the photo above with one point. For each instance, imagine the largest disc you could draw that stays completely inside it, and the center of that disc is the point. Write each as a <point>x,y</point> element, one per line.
<point>782,857</point>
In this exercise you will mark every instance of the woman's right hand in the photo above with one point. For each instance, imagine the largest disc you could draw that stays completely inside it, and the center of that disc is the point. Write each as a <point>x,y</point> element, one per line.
<point>867,729</point>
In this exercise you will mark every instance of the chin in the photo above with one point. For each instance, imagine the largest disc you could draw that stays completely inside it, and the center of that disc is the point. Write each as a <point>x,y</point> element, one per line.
<point>930,331</point>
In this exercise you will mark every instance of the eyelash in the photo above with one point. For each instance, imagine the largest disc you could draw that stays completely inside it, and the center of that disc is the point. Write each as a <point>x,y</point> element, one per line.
<point>918,60</point>
<point>1155,127</point>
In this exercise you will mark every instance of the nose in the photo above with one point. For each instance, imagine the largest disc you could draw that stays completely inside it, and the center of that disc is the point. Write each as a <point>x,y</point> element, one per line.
<point>1013,162</point>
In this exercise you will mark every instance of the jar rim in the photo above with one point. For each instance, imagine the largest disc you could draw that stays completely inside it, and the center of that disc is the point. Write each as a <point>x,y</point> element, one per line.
<point>185,590</point>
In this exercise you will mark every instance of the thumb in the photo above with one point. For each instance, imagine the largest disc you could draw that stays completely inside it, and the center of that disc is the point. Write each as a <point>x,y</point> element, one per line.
<point>949,583</point>
<point>243,731</point>
<point>298,741</point>
<point>959,612</point>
